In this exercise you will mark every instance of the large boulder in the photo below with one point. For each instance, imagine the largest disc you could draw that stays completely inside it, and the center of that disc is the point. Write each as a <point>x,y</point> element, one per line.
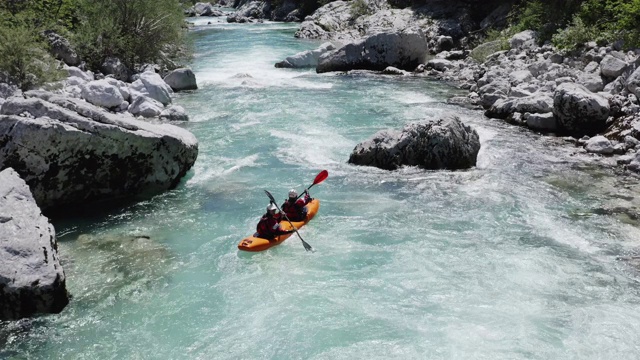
<point>102,93</point>
<point>154,87</point>
<point>145,106</point>
<point>70,152</point>
<point>61,49</point>
<point>405,50</point>
<point>305,59</point>
<point>181,79</point>
<point>612,67</point>
<point>31,278</point>
<point>446,143</point>
<point>579,111</point>
<point>537,103</point>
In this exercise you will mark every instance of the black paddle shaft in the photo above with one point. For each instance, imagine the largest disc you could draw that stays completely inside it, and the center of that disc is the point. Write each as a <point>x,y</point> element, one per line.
<point>304,243</point>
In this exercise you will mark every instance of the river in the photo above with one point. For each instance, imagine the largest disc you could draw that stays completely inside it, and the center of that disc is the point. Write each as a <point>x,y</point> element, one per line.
<point>507,260</point>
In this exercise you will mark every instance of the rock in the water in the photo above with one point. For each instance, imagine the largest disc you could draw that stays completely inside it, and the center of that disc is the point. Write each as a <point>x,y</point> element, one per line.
<point>72,152</point>
<point>174,113</point>
<point>599,145</point>
<point>579,111</point>
<point>31,278</point>
<point>404,50</point>
<point>542,122</point>
<point>442,144</point>
<point>307,58</point>
<point>181,79</point>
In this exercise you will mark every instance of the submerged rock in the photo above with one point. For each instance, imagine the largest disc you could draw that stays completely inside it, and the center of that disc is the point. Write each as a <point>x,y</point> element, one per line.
<point>31,278</point>
<point>69,151</point>
<point>441,144</point>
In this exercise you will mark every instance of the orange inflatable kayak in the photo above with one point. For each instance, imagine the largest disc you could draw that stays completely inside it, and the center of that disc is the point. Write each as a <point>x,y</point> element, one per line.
<point>259,244</point>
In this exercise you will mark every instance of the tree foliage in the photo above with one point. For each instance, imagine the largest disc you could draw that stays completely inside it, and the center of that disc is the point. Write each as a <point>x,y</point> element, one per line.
<point>24,59</point>
<point>136,31</point>
<point>572,22</point>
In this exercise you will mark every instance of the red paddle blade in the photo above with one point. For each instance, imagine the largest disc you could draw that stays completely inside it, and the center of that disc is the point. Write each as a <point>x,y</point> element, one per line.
<point>322,176</point>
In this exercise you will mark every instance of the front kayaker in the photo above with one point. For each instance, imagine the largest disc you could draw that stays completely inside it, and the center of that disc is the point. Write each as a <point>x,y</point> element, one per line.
<point>295,208</point>
<point>269,225</point>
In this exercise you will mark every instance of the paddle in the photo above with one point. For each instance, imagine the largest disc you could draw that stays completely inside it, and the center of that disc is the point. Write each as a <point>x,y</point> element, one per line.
<point>322,176</point>
<point>304,243</point>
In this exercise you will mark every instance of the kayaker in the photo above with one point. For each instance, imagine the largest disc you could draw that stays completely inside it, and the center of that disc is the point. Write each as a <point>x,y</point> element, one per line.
<point>295,208</point>
<point>269,225</point>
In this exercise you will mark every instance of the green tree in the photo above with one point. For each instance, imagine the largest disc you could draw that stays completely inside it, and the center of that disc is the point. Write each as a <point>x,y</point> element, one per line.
<point>23,58</point>
<point>136,31</point>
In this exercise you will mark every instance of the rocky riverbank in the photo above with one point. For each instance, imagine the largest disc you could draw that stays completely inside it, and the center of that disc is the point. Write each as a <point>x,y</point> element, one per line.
<point>88,138</point>
<point>589,95</point>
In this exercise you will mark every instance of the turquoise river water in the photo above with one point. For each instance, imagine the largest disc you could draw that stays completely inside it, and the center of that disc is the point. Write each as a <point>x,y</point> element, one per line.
<point>503,261</point>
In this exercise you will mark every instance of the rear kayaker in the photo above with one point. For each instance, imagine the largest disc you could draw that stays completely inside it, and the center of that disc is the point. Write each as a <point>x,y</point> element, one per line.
<point>259,244</point>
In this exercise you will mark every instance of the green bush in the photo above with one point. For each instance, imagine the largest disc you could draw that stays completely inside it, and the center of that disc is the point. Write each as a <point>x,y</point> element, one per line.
<point>24,59</point>
<point>136,31</point>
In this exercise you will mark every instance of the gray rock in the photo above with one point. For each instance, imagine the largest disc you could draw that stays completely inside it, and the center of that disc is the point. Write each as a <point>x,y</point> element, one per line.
<point>404,50</point>
<point>390,70</point>
<point>633,82</point>
<point>579,111</point>
<point>524,39</point>
<point>181,79</point>
<point>537,103</point>
<point>439,64</point>
<point>72,152</point>
<point>76,72</point>
<point>542,122</point>
<point>121,86</point>
<point>306,59</point>
<point>155,87</point>
<point>145,106</point>
<point>612,67</point>
<point>441,144</point>
<point>31,278</point>
<point>61,49</point>
<point>444,43</point>
<point>592,82</point>
<point>113,66</point>
<point>174,113</point>
<point>101,93</point>
<point>599,145</point>
<point>520,76</point>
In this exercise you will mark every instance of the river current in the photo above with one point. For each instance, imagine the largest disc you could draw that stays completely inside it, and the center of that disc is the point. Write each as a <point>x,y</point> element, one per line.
<point>507,260</point>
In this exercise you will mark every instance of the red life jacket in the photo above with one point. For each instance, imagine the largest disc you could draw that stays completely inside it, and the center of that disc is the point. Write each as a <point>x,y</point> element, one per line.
<point>296,211</point>
<point>268,226</point>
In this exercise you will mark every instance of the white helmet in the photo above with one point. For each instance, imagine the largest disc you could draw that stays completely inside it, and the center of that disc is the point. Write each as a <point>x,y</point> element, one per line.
<point>293,193</point>
<point>271,207</point>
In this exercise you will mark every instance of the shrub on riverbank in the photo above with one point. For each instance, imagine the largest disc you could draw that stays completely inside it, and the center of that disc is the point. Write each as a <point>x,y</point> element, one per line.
<point>571,23</point>
<point>136,31</point>
<point>24,60</point>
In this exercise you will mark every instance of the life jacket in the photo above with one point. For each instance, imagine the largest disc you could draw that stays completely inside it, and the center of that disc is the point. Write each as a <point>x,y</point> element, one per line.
<point>268,226</point>
<point>296,211</point>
